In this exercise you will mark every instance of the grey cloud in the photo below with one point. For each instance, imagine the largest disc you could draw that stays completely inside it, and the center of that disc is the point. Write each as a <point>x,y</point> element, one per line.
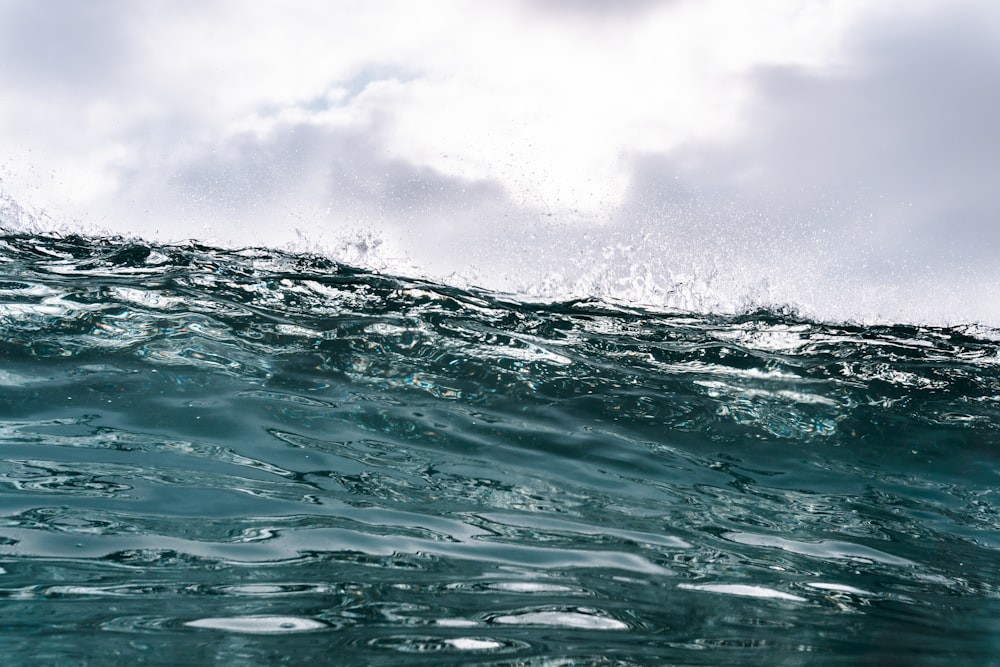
<point>347,164</point>
<point>64,43</point>
<point>322,179</point>
<point>898,149</point>
<point>599,8</point>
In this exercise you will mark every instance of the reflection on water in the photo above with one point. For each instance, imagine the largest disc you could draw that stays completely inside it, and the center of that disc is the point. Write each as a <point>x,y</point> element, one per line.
<point>249,457</point>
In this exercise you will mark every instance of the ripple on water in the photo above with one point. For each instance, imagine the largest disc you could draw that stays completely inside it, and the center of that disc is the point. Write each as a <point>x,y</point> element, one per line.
<point>579,618</point>
<point>259,625</point>
<point>743,590</point>
<point>428,644</point>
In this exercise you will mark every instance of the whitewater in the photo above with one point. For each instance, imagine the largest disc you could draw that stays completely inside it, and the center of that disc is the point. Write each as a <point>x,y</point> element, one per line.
<point>254,456</point>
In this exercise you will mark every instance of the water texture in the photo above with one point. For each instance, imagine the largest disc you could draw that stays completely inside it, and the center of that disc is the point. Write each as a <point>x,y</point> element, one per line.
<point>250,457</point>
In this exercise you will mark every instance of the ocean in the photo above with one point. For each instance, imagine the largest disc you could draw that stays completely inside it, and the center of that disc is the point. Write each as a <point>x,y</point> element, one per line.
<point>248,456</point>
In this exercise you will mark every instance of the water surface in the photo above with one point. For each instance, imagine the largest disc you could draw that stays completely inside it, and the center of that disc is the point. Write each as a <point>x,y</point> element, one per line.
<point>250,457</point>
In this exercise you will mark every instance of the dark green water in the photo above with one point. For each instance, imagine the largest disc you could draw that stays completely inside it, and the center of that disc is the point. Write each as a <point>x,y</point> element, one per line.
<point>246,457</point>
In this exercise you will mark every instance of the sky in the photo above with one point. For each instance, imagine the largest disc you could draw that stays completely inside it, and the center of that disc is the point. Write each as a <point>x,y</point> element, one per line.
<point>839,158</point>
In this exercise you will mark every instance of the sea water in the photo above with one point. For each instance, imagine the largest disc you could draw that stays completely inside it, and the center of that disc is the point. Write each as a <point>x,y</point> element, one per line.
<point>255,457</point>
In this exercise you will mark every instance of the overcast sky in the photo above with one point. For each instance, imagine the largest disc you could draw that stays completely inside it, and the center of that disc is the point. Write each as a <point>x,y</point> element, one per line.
<point>839,156</point>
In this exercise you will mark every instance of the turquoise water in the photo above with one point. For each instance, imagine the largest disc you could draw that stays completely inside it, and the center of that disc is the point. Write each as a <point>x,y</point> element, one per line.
<point>249,457</point>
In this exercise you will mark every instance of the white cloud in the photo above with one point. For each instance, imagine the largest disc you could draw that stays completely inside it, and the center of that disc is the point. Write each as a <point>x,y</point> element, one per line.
<point>548,108</point>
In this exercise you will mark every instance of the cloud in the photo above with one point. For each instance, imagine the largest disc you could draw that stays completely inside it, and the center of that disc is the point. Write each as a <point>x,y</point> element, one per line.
<point>598,9</point>
<point>321,175</point>
<point>508,93</point>
<point>871,182</point>
<point>67,45</point>
<point>903,136</point>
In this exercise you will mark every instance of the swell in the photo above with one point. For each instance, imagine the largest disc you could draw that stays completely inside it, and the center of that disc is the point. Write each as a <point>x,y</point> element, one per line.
<point>205,434</point>
<point>260,314</point>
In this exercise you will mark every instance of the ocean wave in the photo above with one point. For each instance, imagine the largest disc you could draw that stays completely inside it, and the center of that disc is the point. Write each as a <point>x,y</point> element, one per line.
<point>247,443</point>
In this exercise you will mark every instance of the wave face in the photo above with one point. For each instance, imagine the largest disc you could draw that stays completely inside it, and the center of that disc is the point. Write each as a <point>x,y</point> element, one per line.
<point>206,451</point>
